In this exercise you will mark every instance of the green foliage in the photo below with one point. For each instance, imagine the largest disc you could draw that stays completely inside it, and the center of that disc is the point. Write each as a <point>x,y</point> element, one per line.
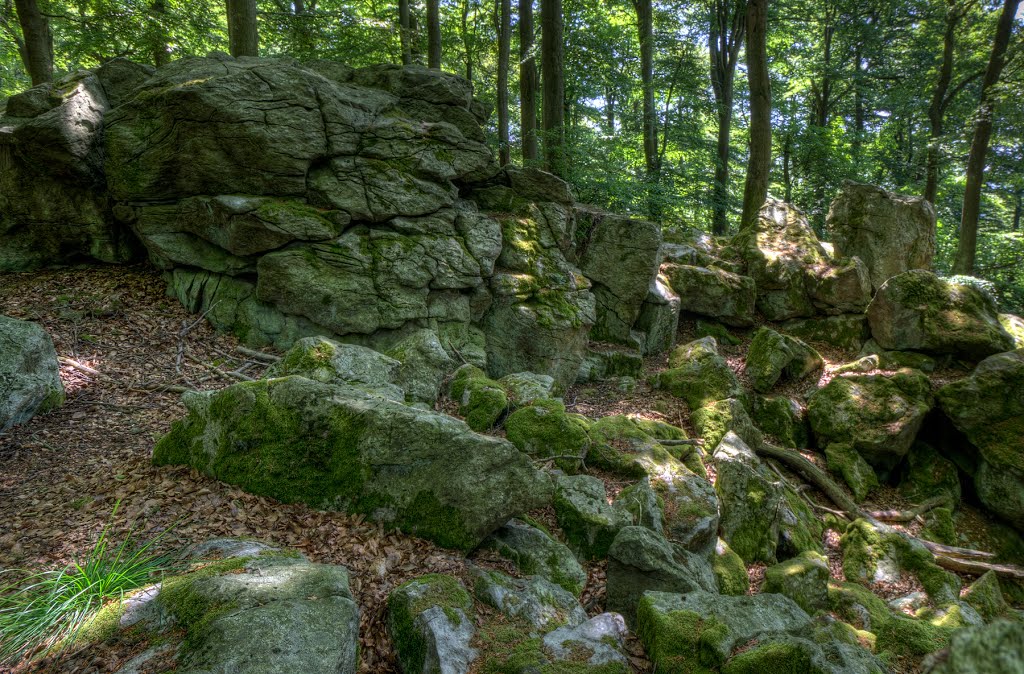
<point>49,609</point>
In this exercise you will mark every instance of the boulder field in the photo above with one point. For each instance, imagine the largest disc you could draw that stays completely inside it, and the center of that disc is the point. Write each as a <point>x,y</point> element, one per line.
<point>438,316</point>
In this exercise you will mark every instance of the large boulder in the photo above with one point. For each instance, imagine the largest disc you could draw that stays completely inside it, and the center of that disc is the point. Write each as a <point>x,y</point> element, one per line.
<point>715,292</point>
<point>659,317</point>
<point>879,414</point>
<point>918,311</point>
<point>699,375</point>
<point>260,612</point>
<point>29,374</point>
<point>995,649</point>
<point>53,207</point>
<point>988,407</point>
<point>620,256</point>
<point>773,356</point>
<point>536,553</point>
<point>337,447</point>
<point>891,233</point>
<point>793,272</point>
<point>431,625</point>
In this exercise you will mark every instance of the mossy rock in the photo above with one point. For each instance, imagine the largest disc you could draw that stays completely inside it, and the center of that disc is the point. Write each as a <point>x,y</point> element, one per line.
<point>773,357</point>
<point>430,620</point>
<point>336,447</point>
<point>917,311</point>
<point>713,420</point>
<point>730,570</point>
<point>538,602</point>
<point>844,460</point>
<point>939,526</point>
<point>699,375</point>
<point>879,415</point>
<point>536,553</point>
<point>716,330</point>
<point>986,596</point>
<point>845,331</point>
<point>782,418</point>
<point>544,429</point>
<point>482,401</point>
<point>994,649</point>
<point>804,579</point>
<point>583,512</point>
<point>929,476</point>
<point>715,292</point>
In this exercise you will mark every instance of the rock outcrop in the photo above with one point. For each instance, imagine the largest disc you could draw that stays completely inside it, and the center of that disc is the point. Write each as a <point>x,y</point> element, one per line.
<point>891,233</point>
<point>29,374</point>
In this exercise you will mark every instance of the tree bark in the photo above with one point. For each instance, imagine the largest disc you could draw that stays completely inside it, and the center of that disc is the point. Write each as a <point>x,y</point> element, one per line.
<point>759,163</point>
<point>243,35</point>
<point>967,248</point>
<point>405,31</point>
<point>527,83</point>
<point>645,26</point>
<point>158,14</point>
<point>467,42</point>
<point>728,29</point>
<point>553,107</point>
<point>504,46</point>
<point>38,41</point>
<point>434,34</point>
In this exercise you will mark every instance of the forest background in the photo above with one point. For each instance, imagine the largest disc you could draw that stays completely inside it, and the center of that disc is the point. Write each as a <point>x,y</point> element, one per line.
<point>654,117</point>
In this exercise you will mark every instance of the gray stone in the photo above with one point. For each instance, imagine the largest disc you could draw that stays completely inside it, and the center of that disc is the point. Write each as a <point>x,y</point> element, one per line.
<point>782,418</point>
<point>328,362</point>
<point>29,373</point>
<point>699,375</point>
<point>620,257</point>
<point>336,447</point>
<point>603,636</point>
<point>659,317</point>
<point>773,356</point>
<point>988,407</point>
<point>583,512</point>
<point>995,649</point>
<point>279,614</point>
<point>539,602</point>
<point>526,388</point>
<point>536,553</point>
<point>713,292</point>
<point>750,498</point>
<point>640,560</point>
<point>891,233</point>
<point>879,414</point>
<point>430,625</point>
<point>843,331</point>
<point>424,364</point>
<point>917,311</point>
<point>804,579</point>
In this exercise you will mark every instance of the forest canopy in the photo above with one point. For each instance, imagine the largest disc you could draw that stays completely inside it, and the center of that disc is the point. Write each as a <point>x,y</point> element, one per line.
<point>656,115</point>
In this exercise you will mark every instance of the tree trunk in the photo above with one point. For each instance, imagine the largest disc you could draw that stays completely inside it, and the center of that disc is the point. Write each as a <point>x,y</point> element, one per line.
<point>759,164</point>
<point>645,25</point>
<point>1017,209</point>
<point>243,35</point>
<point>552,62</point>
<point>161,51</point>
<point>434,34</point>
<point>38,45</point>
<point>467,42</point>
<point>504,48</point>
<point>414,38</point>
<point>728,28</point>
<point>965,253</point>
<point>527,83</point>
<point>787,160</point>
<point>405,31</point>
<point>937,108</point>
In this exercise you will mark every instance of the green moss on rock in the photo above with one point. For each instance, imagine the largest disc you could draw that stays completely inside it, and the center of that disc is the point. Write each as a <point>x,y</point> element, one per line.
<point>843,459</point>
<point>482,401</point>
<point>544,429</point>
<point>730,570</point>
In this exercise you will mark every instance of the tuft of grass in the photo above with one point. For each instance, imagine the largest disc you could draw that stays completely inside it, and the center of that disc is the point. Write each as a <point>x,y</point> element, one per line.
<point>47,609</point>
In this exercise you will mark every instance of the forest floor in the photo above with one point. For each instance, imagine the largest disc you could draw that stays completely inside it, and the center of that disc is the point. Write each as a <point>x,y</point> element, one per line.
<point>121,339</point>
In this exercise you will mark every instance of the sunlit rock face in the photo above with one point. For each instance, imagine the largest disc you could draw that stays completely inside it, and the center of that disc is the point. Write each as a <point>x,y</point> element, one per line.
<point>289,199</point>
<point>891,233</point>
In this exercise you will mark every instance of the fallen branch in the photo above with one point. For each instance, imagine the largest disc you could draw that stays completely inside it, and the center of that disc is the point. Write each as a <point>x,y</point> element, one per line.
<point>977,568</point>
<point>952,551</point>
<point>64,360</point>
<point>694,442</point>
<point>258,355</point>
<point>816,476</point>
<point>907,515</point>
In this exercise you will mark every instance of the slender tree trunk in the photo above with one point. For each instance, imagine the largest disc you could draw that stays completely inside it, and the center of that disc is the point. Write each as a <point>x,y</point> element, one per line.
<point>1016,210</point>
<point>38,41</point>
<point>243,35</point>
<point>728,27</point>
<point>552,63</point>
<point>504,49</point>
<point>414,38</point>
<point>405,31</point>
<point>967,248</point>
<point>787,158</point>
<point>858,105</point>
<point>467,41</point>
<point>434,34</point>
<point>645,25</point>
<point>756,189</point>
<point>158,14</point>
<point>937,108</point>
<point>609,111</point>
<point>527,83</point>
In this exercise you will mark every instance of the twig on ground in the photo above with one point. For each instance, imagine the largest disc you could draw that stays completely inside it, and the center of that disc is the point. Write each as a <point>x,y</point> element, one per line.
<point>64,360</point>
<point>258,355</point>
<point>907,515</point>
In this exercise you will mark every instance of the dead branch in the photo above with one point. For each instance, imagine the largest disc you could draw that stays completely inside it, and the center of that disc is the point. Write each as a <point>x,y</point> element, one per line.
<point>694,442</point>
<point>977,568</point>
<point>952,551</point>
<point>258,355</point>
<point>907,515</point>
<point>64,360</point>
<point>816,476</point>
